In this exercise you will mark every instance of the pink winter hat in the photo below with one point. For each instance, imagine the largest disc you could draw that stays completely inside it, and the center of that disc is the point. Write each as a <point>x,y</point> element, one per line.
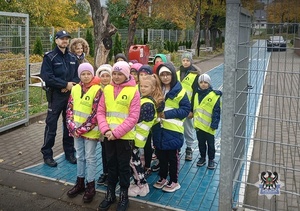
<point>85,66</point>
<point>123,67</point>
<point>136,67</point>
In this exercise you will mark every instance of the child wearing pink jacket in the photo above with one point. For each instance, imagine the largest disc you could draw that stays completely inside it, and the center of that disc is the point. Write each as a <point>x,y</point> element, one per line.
<point>118,113</point>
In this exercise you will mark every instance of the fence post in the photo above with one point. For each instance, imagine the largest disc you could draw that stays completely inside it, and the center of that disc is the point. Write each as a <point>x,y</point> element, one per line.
<point>228,108</point>
<point>142,36</point>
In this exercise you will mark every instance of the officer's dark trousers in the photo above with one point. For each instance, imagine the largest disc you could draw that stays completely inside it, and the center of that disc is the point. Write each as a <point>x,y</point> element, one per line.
<point>118,154</point>
<point>55,108</point>
<point>204,139</point>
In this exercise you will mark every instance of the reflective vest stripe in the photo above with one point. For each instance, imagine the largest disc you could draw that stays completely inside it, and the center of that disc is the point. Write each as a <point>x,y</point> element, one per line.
<point>202,121</point>
<point>189,94</point>
<point>82,108</point>
<point>117,109</point>
<point>139,136</point>
<point>203,112</point>
<point>143,128</point>
<point>116,114</point>
<point>174,121</point>
<point>173,124</point>
<point>81,114</point>
<point>96,128</point>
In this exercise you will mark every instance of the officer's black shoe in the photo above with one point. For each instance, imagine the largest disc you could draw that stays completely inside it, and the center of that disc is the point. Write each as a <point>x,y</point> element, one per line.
<point>71,158</point>
<point>50,162</point>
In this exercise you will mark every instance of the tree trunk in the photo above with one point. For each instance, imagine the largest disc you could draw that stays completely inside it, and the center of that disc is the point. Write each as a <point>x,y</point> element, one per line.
<point>196,36</point>
<point>131,33</point>
<point>213,34</point>
<point>136,8</point>
<point>103,29</point>
<point>220,39</point>
<point>207,25</point>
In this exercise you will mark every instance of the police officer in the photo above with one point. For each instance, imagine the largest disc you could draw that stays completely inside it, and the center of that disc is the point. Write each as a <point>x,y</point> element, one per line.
<point>59,71</point>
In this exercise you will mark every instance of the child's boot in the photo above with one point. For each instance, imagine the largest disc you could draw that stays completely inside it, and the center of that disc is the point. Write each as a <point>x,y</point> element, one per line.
<point>110,198</point>
<point>124,201</point>
<point>90,192</point>
<point>77,189</point>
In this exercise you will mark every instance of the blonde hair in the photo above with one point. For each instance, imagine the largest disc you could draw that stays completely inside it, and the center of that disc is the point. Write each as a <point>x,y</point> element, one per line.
<point>157,94</point>
<point>83,42</point>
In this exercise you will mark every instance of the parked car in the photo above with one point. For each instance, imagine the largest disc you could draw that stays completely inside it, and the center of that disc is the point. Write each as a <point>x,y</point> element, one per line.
<point>276,43</point>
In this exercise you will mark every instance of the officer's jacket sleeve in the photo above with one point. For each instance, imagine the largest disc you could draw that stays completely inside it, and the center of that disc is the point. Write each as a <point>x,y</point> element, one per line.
<point>47,73</point>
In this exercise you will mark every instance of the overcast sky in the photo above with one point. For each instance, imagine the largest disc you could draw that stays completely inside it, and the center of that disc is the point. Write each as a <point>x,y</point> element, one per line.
<point>102,2</point>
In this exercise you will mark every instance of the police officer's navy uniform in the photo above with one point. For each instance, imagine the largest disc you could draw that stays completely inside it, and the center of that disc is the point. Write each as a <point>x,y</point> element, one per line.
<point>57,70</point>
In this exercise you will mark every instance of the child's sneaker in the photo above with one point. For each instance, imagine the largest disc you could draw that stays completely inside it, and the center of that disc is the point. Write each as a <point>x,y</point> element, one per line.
<point>135,190</point>
<point>155,168</point>
<point>160,183</point>
<point>211,164</point>
<point>102,179</point>
<point>171,187</point>
<point>155,165</point>
<point>189,154</point>
<point>201,162</point>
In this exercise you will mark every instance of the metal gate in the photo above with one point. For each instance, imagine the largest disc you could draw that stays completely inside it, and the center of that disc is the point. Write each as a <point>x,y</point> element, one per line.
<point>260,151</point>
<point>14,62</point>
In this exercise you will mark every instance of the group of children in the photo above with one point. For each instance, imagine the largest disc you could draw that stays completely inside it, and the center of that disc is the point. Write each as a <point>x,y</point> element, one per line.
<point>132,108</point>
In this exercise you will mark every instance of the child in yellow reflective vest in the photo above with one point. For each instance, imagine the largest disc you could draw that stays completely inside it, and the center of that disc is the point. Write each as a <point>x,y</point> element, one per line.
<point>152,101</point>
<point>168,135</point>
<point>118,113</point>
<point>206,111</point>
<point>82,125</point>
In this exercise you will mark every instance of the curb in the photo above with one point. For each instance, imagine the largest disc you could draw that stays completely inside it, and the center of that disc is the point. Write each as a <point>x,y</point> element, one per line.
<point>37,117</point>
<point>206,59</point>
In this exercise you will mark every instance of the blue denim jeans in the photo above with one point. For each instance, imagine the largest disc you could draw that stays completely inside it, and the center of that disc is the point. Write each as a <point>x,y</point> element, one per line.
<point>86,158</point>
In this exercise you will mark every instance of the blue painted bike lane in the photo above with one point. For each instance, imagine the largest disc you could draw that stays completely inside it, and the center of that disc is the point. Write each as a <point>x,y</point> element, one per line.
<point>199,185</point>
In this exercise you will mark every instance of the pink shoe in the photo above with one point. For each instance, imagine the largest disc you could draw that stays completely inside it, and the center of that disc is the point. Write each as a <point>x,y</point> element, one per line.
<point>160,183</point>
<point>171,187</point>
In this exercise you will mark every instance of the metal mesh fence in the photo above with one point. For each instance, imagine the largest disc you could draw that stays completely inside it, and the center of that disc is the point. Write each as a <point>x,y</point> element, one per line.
<point>261,149</point>
<point>14,57</point>
<point>46,34</point>
<point>170,35</point>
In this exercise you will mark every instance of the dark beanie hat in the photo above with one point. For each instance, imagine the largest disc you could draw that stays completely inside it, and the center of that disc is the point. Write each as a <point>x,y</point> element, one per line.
<point>147,69</point>
<point>120,55</point>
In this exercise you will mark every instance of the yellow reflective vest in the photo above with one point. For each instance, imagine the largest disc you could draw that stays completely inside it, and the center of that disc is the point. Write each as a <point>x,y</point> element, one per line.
<point>117,110</point>
<point>203,112</point>
<point>173,124</point>
<point>187,83</point>
<point>143,128</point>
<point>82,108</point>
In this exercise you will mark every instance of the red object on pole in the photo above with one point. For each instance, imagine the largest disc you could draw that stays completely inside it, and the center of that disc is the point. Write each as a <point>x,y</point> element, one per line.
<point>140,53</point>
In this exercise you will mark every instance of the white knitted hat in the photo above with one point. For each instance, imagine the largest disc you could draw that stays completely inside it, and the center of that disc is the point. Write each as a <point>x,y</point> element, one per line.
<point>204,77</point>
